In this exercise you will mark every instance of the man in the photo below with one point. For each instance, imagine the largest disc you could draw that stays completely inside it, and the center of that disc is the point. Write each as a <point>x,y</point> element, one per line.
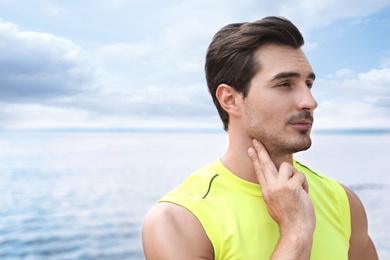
<point>257,202</point>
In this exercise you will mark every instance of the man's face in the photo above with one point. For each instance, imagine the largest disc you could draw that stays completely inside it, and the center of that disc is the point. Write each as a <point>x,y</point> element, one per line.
<point>278,110</point>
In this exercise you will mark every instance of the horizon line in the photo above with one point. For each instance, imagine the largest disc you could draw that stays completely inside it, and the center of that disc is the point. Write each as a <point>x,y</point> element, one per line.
<point>352,130</point>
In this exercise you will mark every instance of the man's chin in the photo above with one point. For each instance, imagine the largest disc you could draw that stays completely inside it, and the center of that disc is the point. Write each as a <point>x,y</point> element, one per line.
<point>304,146</point>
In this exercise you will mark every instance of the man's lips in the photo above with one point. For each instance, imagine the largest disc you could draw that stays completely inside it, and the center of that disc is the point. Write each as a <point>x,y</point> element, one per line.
<point>302,124</point>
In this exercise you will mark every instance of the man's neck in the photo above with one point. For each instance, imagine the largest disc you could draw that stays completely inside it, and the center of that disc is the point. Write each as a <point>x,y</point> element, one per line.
<point>236,159</point>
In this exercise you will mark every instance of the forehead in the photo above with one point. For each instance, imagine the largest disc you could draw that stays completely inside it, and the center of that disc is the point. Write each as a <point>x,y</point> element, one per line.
<point>274,59</point>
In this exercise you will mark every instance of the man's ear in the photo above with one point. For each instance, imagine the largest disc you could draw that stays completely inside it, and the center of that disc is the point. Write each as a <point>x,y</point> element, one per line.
<point>229,99</point>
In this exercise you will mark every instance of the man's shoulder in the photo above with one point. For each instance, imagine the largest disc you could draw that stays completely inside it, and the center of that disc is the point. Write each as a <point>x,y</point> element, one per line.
<point>168,225</point>
<point>167,212</point>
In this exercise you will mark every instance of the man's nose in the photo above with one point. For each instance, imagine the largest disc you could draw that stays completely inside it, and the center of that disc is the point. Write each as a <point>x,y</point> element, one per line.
<point>306,100</point>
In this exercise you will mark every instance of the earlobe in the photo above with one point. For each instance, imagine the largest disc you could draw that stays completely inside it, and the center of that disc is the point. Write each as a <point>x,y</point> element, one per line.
<point>228,98</point>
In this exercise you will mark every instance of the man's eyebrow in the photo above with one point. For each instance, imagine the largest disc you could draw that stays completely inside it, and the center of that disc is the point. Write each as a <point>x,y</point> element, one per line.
<point>311,76</point>
<point>291,74</point>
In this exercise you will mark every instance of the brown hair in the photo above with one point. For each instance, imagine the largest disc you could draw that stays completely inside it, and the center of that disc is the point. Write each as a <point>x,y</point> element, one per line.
<point>230,55</point>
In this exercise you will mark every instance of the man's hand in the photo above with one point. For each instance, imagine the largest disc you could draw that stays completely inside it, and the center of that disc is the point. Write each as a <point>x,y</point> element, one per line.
<point>285,193</point>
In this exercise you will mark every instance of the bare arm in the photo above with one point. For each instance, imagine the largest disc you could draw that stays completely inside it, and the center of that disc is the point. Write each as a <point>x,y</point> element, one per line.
<point>285,193</point>
<point>173,232</point>
<point>361,246</point>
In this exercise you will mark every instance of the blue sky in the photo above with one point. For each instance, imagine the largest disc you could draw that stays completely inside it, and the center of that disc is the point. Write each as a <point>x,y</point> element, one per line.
<point>126,64</point>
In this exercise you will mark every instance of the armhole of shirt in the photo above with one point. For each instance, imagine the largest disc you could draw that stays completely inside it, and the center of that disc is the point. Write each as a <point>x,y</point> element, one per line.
<point>345,213</point>
<point>207,222</point>
<point>342,198</point>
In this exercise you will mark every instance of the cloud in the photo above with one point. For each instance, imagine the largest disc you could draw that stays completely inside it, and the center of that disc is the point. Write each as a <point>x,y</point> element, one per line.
<point>124,65</point>
<point>167,101</point>
<point>40,116</point>
<point>355,114</point>
<point>309,14</point>
<point>385,60</point>
<point>146,67</point>
<point>51,8</point>
<point>55,82</point>
<point>39,65</point>
<point>375,82</point>
<point>349,99</point>
<point>383,102</point>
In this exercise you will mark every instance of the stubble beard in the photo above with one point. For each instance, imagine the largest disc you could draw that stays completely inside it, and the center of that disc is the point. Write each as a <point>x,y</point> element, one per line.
<point>282,144</point>
<point>280,141</point>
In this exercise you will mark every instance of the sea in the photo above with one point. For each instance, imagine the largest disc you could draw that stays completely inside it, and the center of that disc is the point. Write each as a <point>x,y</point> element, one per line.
<point>84,194</point>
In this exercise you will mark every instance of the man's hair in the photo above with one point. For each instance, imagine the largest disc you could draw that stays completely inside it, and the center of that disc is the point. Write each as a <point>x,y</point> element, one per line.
<point>230,56</point>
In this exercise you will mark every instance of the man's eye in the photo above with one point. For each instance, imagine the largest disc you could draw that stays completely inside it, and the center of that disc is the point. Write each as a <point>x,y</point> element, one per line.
<point>309,84</point>
<point>284,84</point>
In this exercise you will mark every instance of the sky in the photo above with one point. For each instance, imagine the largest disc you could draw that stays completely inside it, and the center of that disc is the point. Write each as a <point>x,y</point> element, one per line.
<point>117,64</point>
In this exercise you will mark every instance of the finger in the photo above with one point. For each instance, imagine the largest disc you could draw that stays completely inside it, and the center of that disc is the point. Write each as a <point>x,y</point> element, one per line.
<point>304,183</point>
<point>257,165</point>
<point>267,165</point>
<point>305,186</point>
<point>286,171</point>
<point>300,178</point>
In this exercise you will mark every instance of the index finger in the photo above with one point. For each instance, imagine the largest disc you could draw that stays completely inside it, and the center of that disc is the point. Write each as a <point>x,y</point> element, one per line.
<point>264,166</point>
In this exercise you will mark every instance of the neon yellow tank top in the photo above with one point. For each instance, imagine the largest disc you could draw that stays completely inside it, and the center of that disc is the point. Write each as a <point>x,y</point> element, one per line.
<point>237,222</point>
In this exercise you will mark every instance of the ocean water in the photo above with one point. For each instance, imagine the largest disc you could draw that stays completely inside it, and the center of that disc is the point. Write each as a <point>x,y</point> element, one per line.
<point>84,195</point>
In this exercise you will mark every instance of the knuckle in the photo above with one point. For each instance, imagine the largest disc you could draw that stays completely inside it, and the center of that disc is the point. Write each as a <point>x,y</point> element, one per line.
<point>285,166</point>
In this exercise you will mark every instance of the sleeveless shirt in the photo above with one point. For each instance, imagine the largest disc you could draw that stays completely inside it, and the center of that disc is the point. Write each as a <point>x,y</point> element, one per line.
<point>235,218</point>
